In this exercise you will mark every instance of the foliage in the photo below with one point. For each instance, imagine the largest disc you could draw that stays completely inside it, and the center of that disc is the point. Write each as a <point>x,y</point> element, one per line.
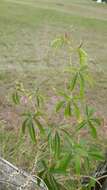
<point>67,154</point>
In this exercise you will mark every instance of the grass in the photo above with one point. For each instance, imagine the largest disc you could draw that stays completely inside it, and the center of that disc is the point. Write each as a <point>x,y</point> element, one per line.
<point>26,30</point>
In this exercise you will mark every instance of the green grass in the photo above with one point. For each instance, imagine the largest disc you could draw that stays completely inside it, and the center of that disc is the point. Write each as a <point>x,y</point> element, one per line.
<point>15,149</point>
<point>26,30</point>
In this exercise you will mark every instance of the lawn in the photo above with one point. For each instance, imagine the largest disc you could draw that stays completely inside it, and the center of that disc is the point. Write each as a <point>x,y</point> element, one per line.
<point>27,28</point>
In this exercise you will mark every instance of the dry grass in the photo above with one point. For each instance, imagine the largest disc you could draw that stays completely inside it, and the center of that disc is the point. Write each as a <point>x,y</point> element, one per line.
<point>26,30</point>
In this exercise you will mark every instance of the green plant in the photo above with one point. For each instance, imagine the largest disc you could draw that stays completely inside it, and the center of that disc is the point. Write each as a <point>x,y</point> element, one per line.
<point>65,153</point>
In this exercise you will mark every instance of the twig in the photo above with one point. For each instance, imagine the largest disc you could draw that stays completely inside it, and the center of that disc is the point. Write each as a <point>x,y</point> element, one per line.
<point>104,176</point>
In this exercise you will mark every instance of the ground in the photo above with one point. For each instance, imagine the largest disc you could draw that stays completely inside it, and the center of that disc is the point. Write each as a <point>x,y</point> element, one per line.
<point>27,28</point>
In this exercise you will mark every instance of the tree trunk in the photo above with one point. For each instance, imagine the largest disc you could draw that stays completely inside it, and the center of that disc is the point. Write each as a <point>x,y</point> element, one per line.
<point>11,178</point>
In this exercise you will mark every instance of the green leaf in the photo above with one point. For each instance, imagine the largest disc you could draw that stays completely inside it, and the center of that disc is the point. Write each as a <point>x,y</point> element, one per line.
<point>57,170</point>
<point>38,101</point>
<point>73,82</point>
<point>81,125</point>
<point>65,95</point>
<point>24,126</point>
<point>77,164</point>
<point>43,162</point>
<point>82,56</point>
<point>89,79</point>
<point>87,110</point>
<point>67,111</point>
<point>77,110</point>
<point>40,175</point>
<point>93,132</point>
<point>39,125</point>
<point>92,183</point>
<point>84,69</point>
<point>96,121</point>
<point>96,155</point>
<point>31,131</point>
<point>68,137</point>
<point>59,105</point>
<point>90,111</point>
<point>57,144</point>
<point>16,98</point>
<point>38,113</point>
<point>82,85</point>
<point>57,43</point>
<point>92,129</point>
<point>64,163</point>
<point>50,142</point>
<point>51,182</point>
<point>54,143</point>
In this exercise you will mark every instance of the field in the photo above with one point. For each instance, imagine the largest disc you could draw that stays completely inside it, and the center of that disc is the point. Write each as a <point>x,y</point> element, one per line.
<point>27,28</point>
